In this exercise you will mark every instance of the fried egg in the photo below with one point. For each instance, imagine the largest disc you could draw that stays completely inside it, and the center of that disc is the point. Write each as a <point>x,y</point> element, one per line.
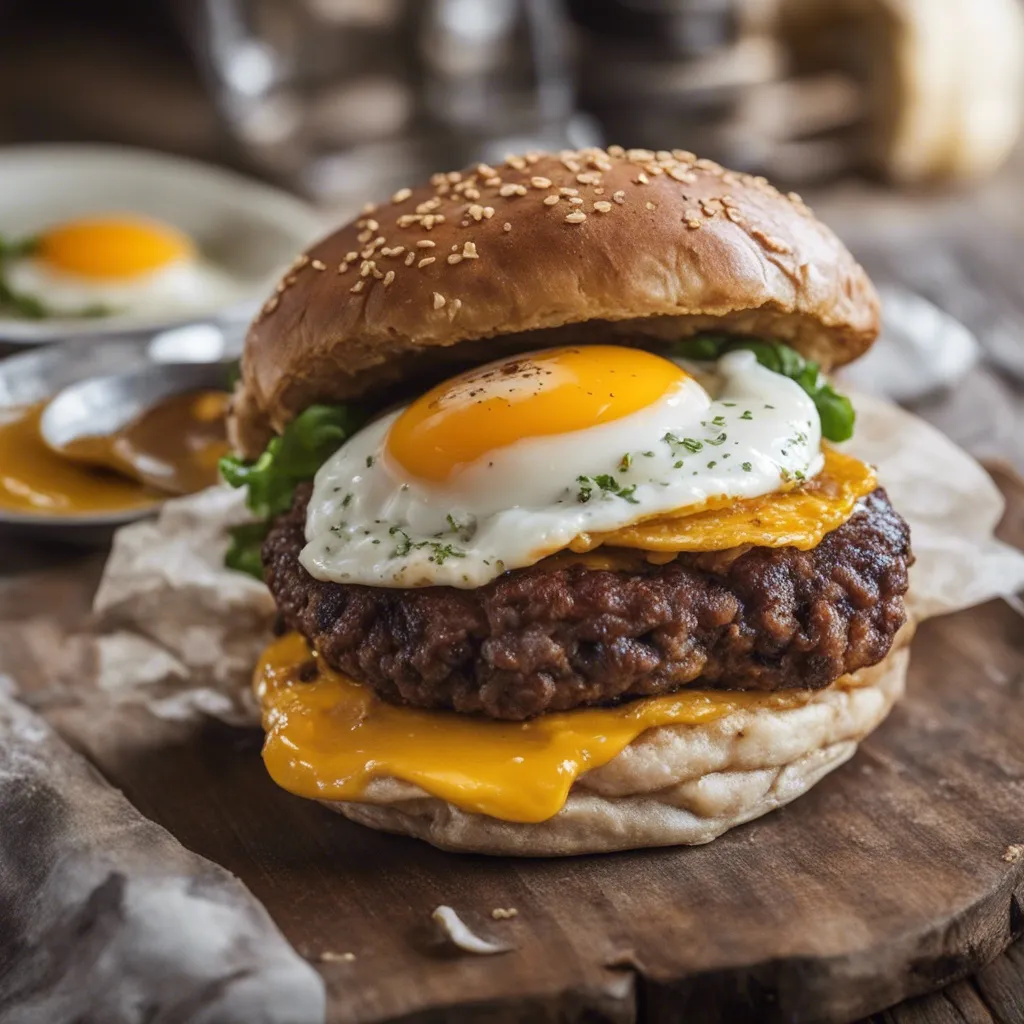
<point>119,264</point>
<point>506,464</point>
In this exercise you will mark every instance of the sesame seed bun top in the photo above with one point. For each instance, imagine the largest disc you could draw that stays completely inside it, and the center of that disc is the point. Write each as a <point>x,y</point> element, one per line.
<point>597,245</point>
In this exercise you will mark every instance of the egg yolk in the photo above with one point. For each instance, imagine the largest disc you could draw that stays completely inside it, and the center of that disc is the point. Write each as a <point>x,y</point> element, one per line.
<point>540,394</point>
<point>112,247</point>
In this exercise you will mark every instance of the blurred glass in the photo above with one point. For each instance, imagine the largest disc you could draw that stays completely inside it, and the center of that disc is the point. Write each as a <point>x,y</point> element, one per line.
<point>346,99</point>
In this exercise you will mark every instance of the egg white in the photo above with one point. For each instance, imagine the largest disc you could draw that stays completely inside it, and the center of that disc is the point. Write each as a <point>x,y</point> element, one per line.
<point>369,522</point>
<point>181,287</point>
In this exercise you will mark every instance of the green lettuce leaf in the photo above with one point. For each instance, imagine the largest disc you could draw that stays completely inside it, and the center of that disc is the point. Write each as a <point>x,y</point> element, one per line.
<point>835,410</point>
<point>289,460</point>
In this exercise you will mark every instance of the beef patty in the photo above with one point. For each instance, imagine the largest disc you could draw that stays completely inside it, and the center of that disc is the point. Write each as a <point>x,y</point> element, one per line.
<point>550,638</point>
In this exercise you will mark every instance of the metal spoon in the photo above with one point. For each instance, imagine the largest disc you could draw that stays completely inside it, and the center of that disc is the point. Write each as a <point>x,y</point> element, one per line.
<point>102,406</point>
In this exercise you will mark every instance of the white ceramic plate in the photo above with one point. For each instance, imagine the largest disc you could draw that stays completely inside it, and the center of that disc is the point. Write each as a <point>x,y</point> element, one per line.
<point>249,229</point>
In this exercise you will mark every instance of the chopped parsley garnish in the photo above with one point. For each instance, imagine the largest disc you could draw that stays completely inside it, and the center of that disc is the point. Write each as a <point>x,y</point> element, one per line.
<point>716,441</point>
<point>746,467</point>
<point>747,415</point>
<point>690,444</point>
<point>607,485</point>
<point>835,410</point>
<point>439,553</point>
<point>712,464</point>
<point>369,461</point>
<point>625,462</point>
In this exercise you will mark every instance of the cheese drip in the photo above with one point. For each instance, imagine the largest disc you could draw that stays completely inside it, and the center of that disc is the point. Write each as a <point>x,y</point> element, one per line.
<point>327,739</point>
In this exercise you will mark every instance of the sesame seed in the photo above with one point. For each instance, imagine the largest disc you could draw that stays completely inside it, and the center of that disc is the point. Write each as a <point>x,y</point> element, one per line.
<point>371,225</point>
<point>507,191</point>
<point>271,304</point>
<point>602,207</point>
<point>439,300</point>
<point>351,257</point>
<point>649,205</point>
<point>342,268</point>
<point>426,261</point>
<point>455,247</point>
<point>616,151</point>
<point>471,193</point>
<point>639,155</point>
<point>568,191</point>
<point>469,251</point>
<point>795,197</point>
<point>576,217</point>
<point>572,166</point>
<point>641,179</point>
<point>589,178</point>
<point>575,201</point>
<point>694,224</point>
<point>364,236</point>
<point>539,182</point>
<point>358,286</point>
<point>485,170</point>
<point>425,243</point>
<point>388,278</point>
<point>506,226</point>
<point>454,258</point>
<point>684,156</point>
<point>454,177</point>
<point>370,208</point>
<point>366,268</point>
<point>488,212</point>
<point>408,219</point>
<point>401,195</point>
<point>663,155</point>
<point>619,197</point>
<point>476,212</point>
<point>598,191</point>
<point>318,265</point>
<point>682,174</point>
<point>397,250</point>
<point>516,161</point>
<point>410,258</point>
<point>551,200</point>
<point>453,307</point>
<point>493,181</point>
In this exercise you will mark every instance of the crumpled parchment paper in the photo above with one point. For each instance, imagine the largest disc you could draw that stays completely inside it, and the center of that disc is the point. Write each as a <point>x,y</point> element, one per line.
<point>181,633</point>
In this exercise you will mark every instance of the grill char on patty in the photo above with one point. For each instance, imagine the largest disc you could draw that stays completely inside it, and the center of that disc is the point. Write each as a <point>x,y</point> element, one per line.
<point>551,638</point>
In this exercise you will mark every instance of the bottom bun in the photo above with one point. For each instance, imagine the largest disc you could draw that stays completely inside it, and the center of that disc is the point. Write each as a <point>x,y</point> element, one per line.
<point>673,786</point>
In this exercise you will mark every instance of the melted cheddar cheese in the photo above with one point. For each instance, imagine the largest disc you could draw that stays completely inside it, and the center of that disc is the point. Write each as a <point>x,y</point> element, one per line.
<point>327,739</point>
<point>798,518</point>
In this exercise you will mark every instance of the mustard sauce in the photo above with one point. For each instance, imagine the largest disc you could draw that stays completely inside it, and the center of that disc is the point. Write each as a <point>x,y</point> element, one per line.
<point>181,438</point>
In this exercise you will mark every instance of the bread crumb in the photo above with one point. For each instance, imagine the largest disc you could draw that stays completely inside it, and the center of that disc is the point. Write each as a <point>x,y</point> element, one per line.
<point>1014,853</point>
<point>455,930</point>
<point>502,914</point>
<point>327,957</point>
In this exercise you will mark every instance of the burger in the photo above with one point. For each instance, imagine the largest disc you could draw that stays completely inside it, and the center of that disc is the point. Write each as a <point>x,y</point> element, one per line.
<point>542,470</point>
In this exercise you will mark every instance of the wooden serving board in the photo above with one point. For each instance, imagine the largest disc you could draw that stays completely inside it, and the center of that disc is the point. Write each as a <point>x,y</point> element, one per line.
<point>896,875</point>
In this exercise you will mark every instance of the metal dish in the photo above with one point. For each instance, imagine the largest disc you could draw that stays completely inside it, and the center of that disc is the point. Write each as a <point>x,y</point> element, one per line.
<point>41,373</point>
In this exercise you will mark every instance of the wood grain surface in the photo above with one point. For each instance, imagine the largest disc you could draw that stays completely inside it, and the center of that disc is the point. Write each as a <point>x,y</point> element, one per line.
<point>894,876</point>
